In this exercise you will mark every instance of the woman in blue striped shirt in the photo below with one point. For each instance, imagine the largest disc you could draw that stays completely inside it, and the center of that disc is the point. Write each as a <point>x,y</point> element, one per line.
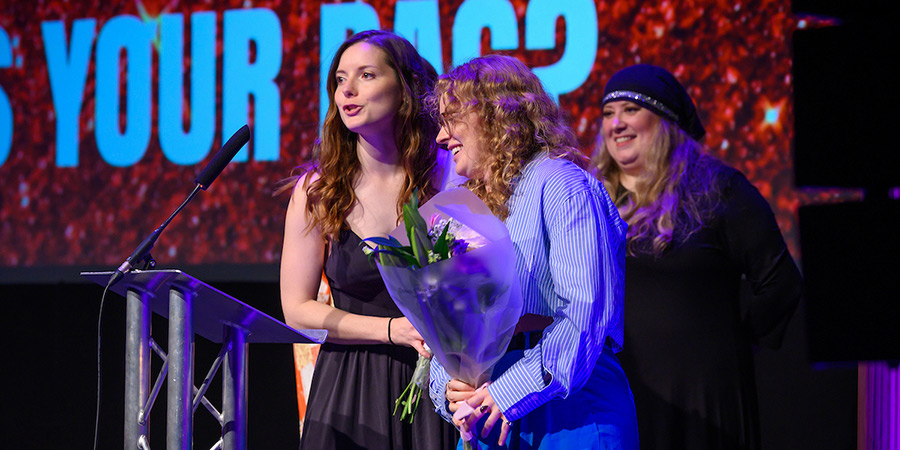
<point>564,388</point>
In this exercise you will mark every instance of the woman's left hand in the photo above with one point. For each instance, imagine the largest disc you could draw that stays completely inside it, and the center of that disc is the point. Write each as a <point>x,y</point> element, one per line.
<point>483,404</point>
<point>401,332</point>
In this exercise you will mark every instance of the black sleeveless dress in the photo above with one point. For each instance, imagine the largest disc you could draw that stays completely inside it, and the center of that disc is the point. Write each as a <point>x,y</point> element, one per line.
<point>354,387</point>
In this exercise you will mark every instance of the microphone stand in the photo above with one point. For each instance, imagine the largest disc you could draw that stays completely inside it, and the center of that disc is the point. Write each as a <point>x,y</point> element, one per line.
<point>142,253</point>
<point>225,154</point>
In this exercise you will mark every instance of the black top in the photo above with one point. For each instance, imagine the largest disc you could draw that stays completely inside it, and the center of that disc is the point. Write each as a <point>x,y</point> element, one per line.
<point>354,387</point>
<point>688,342</point>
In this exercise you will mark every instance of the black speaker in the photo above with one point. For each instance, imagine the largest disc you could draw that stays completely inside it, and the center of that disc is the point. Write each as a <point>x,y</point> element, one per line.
<point>851,267</point>
<point>846,106</point>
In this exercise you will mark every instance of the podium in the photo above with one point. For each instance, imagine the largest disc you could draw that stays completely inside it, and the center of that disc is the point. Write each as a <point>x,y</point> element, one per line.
<point>192,307</point>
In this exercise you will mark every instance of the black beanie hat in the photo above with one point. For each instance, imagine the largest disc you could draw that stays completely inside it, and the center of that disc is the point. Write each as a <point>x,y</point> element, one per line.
<point>656,89</point>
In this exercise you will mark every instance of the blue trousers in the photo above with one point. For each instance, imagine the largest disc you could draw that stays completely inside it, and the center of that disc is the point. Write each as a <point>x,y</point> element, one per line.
<point>598,416</point>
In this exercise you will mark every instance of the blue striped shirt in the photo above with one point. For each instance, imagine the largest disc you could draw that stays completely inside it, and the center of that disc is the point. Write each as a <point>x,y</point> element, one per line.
<point>570,257</point>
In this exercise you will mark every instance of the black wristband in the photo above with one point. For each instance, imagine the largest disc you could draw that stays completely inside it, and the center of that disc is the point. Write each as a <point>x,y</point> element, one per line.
<point>389,331</point>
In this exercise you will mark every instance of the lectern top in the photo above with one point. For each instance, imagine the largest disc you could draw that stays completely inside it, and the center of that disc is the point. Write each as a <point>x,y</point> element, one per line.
<point>212,309</point>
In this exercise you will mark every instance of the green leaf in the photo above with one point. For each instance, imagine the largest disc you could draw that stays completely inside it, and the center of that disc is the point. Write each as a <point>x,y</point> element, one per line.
<point>441,245</point>
<point>417,231</point>
<point>421,245</point>
<point>409,209</point>
<point>395,256</point>
<point>411,260</point>
<point>386,258</point>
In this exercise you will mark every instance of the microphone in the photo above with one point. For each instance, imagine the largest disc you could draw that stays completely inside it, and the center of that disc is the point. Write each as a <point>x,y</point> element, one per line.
<point>204,180</point>
<point>223,157</point>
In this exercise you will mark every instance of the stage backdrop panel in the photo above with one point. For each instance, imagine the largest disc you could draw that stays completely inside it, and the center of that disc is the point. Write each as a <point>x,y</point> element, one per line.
<point>108,110</point>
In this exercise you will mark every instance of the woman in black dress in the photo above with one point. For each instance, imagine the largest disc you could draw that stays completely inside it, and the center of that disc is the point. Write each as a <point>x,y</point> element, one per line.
<point>696,228</point>
<point>376,151</point>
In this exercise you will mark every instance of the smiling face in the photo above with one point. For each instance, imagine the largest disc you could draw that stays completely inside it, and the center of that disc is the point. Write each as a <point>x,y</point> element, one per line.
<point>368,93</point>
<point>460,136</point>
<point>628,130</point>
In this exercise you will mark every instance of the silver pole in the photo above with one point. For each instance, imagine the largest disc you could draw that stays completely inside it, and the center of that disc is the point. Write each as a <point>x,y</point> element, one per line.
<point>137,365</point>
<point>179,413</point>
<point>234,391</point>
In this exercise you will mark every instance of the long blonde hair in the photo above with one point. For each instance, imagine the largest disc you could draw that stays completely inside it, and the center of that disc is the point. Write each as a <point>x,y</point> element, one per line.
<point>674,196</point>
<point>331,195</point>
<point>517,120</point>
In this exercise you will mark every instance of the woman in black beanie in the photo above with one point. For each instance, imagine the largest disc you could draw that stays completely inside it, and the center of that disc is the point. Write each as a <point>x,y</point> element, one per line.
<point>696,228</point>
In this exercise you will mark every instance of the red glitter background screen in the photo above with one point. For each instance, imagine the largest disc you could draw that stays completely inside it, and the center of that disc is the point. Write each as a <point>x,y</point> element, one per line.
<point>734,58</point>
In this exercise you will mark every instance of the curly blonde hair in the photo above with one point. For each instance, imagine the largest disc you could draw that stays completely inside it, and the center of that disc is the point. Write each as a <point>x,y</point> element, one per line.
<point>331,195</point>
<point>674,196</point>
<point>516,121</point>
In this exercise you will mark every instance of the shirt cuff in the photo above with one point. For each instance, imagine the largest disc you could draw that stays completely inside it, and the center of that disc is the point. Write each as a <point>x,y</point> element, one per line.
<point>437,389</point>
<point>522,388</point>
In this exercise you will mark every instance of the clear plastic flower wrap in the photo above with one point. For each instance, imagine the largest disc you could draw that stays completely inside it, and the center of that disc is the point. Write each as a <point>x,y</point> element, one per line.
<point>465,306</point>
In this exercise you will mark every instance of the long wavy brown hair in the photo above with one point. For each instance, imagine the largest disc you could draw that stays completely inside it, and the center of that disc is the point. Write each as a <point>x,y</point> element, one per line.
<point>330,194</point>
<point>674,196</point>
<point>517,120</point>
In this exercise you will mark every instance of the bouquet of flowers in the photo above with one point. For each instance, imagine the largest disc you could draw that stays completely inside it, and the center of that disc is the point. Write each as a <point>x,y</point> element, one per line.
<point>454,278</point>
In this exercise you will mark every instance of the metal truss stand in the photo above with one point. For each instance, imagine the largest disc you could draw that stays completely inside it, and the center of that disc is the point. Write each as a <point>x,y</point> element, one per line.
<point>192,307</point>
